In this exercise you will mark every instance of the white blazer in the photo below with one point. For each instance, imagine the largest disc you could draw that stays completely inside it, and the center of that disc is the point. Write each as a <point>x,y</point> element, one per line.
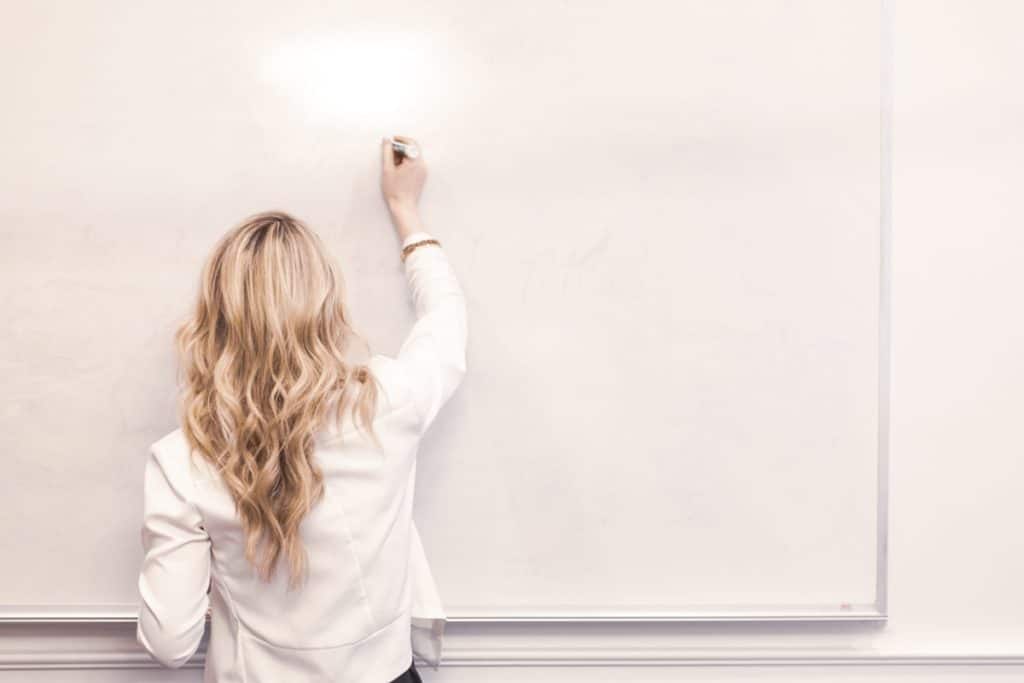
<point>370,600</point>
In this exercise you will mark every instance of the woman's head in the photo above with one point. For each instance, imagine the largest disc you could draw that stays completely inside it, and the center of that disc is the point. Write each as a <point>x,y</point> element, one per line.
<point>262,360</point>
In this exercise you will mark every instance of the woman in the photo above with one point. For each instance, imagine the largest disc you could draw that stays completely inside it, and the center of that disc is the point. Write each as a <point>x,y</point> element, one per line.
<point>284,502</point>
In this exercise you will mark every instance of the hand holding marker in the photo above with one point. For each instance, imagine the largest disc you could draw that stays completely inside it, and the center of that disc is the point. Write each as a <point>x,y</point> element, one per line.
<point>406,149</point>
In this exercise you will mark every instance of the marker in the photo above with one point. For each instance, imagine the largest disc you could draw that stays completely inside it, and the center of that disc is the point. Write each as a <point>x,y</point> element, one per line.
<point>406,149</point>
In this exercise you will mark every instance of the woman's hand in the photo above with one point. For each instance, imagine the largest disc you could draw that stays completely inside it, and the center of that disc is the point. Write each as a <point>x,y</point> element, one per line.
<point>401,183</point>
<point>402,180</point>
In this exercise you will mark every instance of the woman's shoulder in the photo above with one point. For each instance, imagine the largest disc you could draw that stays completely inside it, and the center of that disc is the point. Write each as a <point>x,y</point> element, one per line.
<point>175,455</point>
<point>179,464</point>
<point>394,396</point>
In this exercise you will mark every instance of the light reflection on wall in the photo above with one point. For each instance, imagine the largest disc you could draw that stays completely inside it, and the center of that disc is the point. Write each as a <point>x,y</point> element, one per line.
<point>362,79</point>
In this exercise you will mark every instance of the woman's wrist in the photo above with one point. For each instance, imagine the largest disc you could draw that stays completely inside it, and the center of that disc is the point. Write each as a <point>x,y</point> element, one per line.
<point>416,241</point>
<point>402,208</point>
<point>414,237</point>
<point>406,219</point>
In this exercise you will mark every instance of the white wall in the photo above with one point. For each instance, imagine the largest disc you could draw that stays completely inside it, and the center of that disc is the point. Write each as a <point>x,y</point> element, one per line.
<point>956,599</point>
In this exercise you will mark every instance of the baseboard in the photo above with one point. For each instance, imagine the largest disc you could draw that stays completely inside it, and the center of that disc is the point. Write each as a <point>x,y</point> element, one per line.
<point>571,657</point>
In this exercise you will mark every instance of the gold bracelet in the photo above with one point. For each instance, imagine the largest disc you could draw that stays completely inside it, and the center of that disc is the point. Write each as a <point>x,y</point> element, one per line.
<point>407,250</point>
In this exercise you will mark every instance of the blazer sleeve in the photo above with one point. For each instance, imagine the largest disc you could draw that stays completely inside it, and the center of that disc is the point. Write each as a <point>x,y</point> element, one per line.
<point>175,576</point>
<point>433,355</point>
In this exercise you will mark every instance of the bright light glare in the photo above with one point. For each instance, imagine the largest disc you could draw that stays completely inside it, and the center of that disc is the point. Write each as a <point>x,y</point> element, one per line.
<point>357,78</point>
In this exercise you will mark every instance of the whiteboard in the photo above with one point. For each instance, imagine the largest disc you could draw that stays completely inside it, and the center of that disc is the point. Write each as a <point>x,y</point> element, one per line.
<point>665,216</point>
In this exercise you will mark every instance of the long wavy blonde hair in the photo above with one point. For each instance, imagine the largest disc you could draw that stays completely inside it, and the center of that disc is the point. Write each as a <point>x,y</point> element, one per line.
<point>261,360</point>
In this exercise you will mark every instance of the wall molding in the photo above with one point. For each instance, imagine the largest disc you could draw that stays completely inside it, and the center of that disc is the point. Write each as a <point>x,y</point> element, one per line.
<point>572,657</point>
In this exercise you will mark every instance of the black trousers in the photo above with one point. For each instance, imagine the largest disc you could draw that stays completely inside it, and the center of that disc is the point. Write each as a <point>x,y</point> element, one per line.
<point>410,676</point>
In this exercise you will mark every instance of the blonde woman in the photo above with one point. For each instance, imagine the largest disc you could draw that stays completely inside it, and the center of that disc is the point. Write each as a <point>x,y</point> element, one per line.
<point>282,506</point>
